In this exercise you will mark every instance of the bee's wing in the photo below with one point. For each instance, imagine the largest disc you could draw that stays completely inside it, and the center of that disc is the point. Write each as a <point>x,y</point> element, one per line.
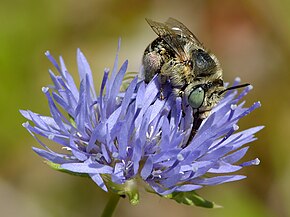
<point>180,29</point>
<point>169,36</point>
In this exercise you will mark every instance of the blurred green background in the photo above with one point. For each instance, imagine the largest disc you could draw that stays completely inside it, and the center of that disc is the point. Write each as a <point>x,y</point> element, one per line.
<point>250,38</point>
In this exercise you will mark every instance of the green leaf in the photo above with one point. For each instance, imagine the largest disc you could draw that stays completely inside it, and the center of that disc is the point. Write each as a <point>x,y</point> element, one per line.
<point>191,198</point>
<point>57,167</point>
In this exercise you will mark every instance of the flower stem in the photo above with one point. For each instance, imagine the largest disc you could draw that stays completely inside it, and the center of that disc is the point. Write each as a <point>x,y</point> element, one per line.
<point>111,205</point>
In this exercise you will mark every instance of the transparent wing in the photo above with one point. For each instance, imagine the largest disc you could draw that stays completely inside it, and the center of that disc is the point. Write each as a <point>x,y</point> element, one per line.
<point>170,37</point>
<point>180,29</point>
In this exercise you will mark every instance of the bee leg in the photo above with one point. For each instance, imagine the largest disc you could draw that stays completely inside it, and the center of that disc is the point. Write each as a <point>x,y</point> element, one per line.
<point>162,80</point>
<point>161,96</point>
<point>195,126</point>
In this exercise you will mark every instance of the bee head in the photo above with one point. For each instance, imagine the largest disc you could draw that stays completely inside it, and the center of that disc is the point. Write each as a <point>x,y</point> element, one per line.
<point>203,97</point>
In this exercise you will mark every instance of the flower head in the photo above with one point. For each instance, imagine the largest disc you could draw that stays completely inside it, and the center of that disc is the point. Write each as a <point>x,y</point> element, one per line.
<point>119,138</point>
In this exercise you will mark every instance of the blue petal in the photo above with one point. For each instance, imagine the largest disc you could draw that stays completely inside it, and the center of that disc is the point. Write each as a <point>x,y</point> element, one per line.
<point>102,98</point>
<point>188,187</point>
<point>219,180</point>
<point>118,175</point>
<point>128,95</point>
<point>70,84</point>
<point>165,134</point>
<point>216,154</point>
<point>254,162</point>
<point>53,157</point>
<point>99,181</point>
<point>116,87</point>
<point>160,190</point>
<point>56,114</point>
<point>140,95</point>
<point>76,152</point>
<point>114,72</point>
<point>123,141</point>
<point>87,168</point>
<point>137,154</point>
<point>164,156</point>
<point>42,122</point>
<point>105,153</point>
<point>52,60</point>
<point>97,135</point>
<point>222,167</point>
<point>85,71</point>
<point>147,168</point>
<point>172,180</point>
<point>200,168</point>
<point>236,156</point>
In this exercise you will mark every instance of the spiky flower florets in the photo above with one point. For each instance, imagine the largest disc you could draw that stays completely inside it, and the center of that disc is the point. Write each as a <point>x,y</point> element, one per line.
<point>119,138</point>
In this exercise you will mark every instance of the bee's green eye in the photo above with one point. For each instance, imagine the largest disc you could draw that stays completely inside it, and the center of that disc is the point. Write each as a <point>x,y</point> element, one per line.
<point>196,98</point>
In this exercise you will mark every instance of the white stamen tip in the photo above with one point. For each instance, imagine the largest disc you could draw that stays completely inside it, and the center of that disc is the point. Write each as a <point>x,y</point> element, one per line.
<point>256,161</point>
<point>26,124</point>
<point>233,106</point>
<point>79,134</point>
<point>98,156</point>
<point>238,79</point>
<point>50,137</point>
<point>115,154</point>
<point>44,89</point>
<point>66,148</point>
<point>235,127</point>
<point>180,157</point>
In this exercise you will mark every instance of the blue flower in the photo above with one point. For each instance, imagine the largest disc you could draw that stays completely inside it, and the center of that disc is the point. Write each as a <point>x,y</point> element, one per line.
<point>123,138</point>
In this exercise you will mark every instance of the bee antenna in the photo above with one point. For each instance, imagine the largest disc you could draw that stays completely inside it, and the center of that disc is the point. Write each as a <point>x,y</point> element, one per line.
<point>234,87</point>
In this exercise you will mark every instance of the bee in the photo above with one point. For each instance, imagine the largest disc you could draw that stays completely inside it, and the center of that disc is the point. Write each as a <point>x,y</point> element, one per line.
<point>194,73</point>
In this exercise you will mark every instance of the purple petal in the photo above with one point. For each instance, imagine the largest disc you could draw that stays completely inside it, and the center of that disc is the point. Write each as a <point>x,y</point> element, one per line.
<point>99,181</point>
<point>147,168</point>
<point>219,180</point>
<point>52,156</point>
<point>254,162</point>
<point>116,87</point>
<point>85,71</point>
<point>188,187</point>
<point>52,60</point>
<point>222,167</point>
<point>236,156</point>
<point>137,154</point>
<point>87,168</point>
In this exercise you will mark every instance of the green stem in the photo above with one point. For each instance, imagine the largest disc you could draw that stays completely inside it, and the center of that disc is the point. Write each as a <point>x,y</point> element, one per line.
<point>111,205</point>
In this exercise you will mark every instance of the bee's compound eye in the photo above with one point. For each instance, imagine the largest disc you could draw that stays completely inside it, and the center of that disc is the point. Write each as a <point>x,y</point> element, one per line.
<point>196,97</point>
